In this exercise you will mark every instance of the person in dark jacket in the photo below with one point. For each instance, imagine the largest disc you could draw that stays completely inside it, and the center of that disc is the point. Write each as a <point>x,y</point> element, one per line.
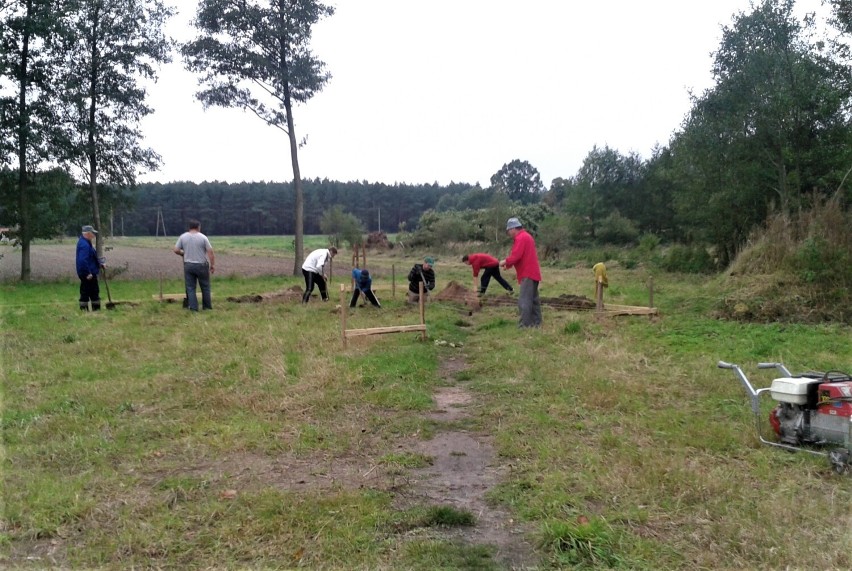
<point>421,273</point>
<point>88,268</point>
<point>363,284</point>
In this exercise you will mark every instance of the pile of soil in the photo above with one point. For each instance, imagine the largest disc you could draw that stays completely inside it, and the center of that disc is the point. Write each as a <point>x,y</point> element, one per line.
<point>293,293</point>
<point>458,293</point>
<point>378,240</point>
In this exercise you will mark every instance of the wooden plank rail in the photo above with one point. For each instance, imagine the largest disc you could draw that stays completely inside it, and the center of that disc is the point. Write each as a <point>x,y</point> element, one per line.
<point>169,296</point>
<point>347,333</point>
<point>381,330</point>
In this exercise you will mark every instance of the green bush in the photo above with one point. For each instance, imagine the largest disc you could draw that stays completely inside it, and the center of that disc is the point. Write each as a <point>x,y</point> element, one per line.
<point>817,261</point>
<point>694,259</point>
<point>616,229</point>
<point>554,236</point>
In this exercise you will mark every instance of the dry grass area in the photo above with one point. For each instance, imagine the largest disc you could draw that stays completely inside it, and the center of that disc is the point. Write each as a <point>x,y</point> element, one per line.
<point>797,269</point>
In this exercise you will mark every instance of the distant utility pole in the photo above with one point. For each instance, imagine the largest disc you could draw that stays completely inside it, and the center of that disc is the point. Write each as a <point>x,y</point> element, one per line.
<point>160,222</point>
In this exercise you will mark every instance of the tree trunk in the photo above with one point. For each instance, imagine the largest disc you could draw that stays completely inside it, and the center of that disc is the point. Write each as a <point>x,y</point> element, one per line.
<point>92,151</point>
<point>297,186</point>
<point>23,186</point>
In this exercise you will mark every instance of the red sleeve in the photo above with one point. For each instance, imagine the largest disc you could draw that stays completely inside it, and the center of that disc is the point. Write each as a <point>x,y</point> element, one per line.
<point>518,248</point>
<point>475,263</point>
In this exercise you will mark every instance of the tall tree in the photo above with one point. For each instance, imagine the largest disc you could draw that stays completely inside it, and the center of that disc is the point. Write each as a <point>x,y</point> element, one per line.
<point>773,129</point>
<point>519,180</point>
<point>606,182</point>
<point>29,27</point>
<point>256,56</point>
<point>110,48</point>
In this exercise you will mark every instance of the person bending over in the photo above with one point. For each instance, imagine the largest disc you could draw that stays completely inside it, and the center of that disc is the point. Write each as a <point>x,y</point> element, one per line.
<point>314,270</point>
<point>363,285</point>
<point>491,269</point>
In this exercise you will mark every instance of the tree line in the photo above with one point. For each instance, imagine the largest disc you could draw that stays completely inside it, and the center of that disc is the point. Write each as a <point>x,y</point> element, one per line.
<point>772,135</point>
<point>265,208</point>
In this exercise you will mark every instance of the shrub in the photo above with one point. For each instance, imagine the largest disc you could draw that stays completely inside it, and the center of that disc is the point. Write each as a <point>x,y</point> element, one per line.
<point>693,259</point>
<point>616,229</point>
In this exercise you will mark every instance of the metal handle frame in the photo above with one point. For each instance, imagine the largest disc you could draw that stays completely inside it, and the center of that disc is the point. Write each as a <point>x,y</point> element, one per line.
<point>754,396</point>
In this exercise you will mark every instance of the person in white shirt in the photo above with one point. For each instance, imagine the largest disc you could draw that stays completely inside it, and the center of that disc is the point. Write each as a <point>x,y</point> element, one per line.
<point>315,272</point>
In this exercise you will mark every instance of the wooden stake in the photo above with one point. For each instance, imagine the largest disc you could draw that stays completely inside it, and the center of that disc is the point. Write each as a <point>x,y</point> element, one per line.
<point>599,295</point>
<point>343,307</point>
<point>651,296</point>
<point>422,311</point>
<point>393,281</point>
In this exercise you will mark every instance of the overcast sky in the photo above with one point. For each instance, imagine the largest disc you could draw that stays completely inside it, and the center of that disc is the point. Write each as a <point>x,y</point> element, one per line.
<point>450,90</point>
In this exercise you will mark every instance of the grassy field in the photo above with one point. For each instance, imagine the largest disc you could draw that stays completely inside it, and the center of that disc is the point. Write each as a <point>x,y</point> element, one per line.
<point>248,437</point>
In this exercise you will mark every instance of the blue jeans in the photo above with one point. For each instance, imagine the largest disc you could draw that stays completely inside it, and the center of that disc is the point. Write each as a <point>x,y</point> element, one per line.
<point>529,304</point>
<point>197,273</point>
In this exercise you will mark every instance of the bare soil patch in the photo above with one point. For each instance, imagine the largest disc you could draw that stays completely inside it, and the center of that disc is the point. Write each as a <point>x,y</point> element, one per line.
<point>458,293</point>
<point>52,262</point>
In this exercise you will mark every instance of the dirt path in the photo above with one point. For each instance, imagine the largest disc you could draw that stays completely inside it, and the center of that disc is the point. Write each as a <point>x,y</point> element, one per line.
<point>463,470</point>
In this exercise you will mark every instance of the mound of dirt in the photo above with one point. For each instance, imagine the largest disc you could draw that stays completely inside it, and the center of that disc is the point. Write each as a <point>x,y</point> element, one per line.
<point>378,240</point>
<point>459,294</point>
<point>293,293</point>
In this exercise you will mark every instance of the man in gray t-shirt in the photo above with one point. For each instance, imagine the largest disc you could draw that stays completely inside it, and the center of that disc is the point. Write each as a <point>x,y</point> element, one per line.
<point>198,263</point>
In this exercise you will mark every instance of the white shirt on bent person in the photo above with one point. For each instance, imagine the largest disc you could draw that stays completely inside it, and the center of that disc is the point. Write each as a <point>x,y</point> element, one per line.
<point>316,261</point>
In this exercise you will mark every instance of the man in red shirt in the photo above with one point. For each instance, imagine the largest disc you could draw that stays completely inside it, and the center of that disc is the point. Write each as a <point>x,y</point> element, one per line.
<point>491,267</point>
<point>525,261</point>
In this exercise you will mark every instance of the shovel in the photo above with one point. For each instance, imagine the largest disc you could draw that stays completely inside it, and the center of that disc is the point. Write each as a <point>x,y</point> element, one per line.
<point>110,304</point>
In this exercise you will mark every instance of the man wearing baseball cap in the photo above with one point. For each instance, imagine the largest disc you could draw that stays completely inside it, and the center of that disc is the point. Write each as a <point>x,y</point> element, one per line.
<point>88,267</point>
<point>525,261</point>
<point>424,273</point>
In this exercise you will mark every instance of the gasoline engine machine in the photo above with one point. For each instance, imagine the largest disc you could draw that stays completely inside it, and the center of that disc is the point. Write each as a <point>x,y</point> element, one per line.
<point>813,412</point>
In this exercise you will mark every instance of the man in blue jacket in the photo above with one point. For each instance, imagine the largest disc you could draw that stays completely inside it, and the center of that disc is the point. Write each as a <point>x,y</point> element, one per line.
<point>88,267</point>
<point>363,284</point>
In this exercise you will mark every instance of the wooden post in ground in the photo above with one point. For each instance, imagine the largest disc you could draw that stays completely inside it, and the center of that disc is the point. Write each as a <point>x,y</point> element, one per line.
<point>364,254</point>
<point>422,311</point>
<point>650,296</point>
<point>598,295</point>
<point>343,314</point>
<point>393,281</point>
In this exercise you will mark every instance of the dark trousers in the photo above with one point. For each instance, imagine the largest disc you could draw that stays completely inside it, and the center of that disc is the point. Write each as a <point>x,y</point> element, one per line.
<point>311,279</point>
<point>197,274</point>
<point>90,291</point>
<point>529,304</point>
<point>487,274</point>
<point>369,295</point>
